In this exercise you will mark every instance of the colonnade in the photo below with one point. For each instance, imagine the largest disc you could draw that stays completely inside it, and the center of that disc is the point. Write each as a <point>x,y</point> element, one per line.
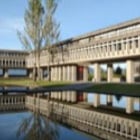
<point>129,79</point>
<point>66,96</point>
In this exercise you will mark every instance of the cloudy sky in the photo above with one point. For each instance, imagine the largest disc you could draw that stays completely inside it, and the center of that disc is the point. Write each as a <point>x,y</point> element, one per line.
<point>75,16</point>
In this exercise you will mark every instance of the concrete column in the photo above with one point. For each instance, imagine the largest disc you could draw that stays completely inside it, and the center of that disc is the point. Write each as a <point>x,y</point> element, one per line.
<point>30,73</point>
<point>64,73</point>
<point>85,74</point>
<point>109,79</point>
<point>85,97</point>
<point>97,72</point>
<point>73,73</point>
<point>109,73</point>
<point>129,71</point>
<point>96,100</point>
<point>5,73</point>
<point>59,73</point>
<point>97,78</point>
<point>41,73</point>
<point>129,79</point>
<point>68,73</point>
<point>52,73</point>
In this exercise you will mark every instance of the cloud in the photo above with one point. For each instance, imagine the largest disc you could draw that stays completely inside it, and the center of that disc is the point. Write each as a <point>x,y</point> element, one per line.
<point>9,25</point>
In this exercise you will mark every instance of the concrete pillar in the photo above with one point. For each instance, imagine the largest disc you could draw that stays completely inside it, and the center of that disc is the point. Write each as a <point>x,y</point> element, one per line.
<point>109,73</point>
<point>96,100</point>
<point>73,73</point>
<point>129,71</point>
<point>97,72</point>
<point>41,73</point>
<point>85,74</point>
<point>85,97</point>
<point>68,73</point>
<point>30,73</point>
<point>59,73</point>
<point>5,73</point>
<point>64,73</point>
<point>52,73</point>
<point>109,79</point>
<point>129,79</point>
<point>97,78</point>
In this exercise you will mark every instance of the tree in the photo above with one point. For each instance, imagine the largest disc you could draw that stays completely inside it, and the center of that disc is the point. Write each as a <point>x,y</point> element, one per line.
<point>40,31</point>
<point>118,70</point>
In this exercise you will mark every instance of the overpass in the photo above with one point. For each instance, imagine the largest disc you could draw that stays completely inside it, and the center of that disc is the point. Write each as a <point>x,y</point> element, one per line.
<point>118,43</point>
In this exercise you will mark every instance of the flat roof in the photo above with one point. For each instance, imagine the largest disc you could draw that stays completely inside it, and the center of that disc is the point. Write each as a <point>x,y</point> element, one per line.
<point>103,30</point>
<point>13,51</point>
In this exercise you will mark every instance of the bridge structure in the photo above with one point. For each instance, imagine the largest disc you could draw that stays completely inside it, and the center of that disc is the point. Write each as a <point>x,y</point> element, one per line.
<point>118,43</point>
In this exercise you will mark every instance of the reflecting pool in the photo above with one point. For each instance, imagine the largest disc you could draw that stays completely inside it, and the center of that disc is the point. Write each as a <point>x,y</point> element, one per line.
<point>10,123</point>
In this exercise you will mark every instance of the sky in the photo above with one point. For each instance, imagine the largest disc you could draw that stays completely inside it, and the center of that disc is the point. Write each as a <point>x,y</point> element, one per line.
<point>76,17</point>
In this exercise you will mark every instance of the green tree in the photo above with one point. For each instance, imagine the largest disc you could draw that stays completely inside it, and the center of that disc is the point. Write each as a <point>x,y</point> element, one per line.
<point>40,31</point>
<point>118,71</point>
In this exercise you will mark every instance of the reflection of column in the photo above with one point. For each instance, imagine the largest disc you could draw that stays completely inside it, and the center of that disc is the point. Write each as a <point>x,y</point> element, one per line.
<point>129,105</point>
<point>60,95</point>
<point>68,96</point>
<point>85,74</point>
<point>64,96</point>
<point>96,100</point>
<point>109,79</point>
<point>109,100</point>
<point>73,96</point>
<point>85,97</point>
<point>97,78</point>
<point>130,79</point>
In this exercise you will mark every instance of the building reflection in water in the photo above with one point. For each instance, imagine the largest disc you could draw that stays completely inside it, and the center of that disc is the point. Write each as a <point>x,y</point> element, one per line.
<point>38,127</point>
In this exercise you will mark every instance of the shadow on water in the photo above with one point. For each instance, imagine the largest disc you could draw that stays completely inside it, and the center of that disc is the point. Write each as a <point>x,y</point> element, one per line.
<point>38,127</point>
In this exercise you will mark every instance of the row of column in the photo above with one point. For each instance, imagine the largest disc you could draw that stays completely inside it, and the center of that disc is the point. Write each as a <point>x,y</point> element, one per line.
<point>63,73</point>
<point>129,79</point>
<point>67,73</point>
<point>67,96</point>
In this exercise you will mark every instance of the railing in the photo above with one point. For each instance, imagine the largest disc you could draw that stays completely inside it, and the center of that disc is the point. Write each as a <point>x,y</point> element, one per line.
<point>87,120</point>
<point>12,102</point>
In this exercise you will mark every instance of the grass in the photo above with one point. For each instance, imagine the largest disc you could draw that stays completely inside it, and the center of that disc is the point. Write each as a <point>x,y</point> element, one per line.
<point>29,82</point>
<point>115,88</point>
